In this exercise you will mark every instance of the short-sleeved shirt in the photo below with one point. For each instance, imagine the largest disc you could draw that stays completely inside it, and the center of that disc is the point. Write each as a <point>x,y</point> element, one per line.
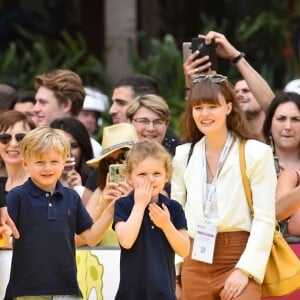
<point>43,261</point>
<point>147,269</point>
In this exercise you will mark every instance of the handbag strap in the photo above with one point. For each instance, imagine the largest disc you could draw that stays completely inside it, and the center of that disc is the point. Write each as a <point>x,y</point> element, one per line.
<point>246,184</point>
<point>190,153</point>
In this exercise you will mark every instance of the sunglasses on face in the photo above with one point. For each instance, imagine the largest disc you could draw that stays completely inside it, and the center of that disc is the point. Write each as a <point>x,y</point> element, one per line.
<point>216,78</point>
<point>5,138</point>
<point>109,161</point>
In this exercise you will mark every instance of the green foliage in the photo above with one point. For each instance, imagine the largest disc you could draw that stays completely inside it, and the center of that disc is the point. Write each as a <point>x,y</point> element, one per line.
<point>264,34</point>
<point>35,54</point>
<point>265,37</point>
<point>163,61</point>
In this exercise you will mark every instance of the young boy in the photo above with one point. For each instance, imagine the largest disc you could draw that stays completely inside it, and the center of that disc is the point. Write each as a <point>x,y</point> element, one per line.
<point>150,227</point>
<point>47,216</point>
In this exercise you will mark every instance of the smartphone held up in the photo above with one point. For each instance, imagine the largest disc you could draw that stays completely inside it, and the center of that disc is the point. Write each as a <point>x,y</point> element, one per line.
<point>204,49</point>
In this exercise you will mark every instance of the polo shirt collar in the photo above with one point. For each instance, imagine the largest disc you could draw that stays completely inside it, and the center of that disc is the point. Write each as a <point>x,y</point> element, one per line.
<point>35,191</point>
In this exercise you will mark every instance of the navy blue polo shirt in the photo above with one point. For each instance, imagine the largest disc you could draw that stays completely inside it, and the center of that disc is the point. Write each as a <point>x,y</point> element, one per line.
<point>147,269</point>
<point>43,261</point>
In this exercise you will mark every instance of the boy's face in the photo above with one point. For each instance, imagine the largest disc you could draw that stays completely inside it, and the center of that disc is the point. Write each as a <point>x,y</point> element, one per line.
<point>47,107</point>
<point>45,170</point>
<point>152,170</point>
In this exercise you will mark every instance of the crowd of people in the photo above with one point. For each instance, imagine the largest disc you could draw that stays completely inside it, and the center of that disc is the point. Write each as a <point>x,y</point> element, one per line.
<point>180,216</point>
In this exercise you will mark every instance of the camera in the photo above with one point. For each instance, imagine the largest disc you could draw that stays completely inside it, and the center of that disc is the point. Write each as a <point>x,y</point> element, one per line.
<point>205,49</point>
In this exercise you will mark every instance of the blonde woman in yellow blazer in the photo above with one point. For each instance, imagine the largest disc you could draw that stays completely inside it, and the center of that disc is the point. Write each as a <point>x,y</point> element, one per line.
<point>230,248</point>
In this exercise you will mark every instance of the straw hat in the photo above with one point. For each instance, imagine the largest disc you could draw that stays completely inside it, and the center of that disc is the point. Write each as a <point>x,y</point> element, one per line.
<point>115,137</point>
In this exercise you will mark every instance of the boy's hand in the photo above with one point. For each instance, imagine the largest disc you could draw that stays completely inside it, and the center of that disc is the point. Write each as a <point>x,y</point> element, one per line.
<point>5,219</point>
<point>159,216</point>
<point>5,233</point>
<point>143,193</point>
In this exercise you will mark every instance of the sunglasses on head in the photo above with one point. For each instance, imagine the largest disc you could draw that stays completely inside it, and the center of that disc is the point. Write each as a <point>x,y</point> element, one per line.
<point>5,138</point>
<point>216,78</point>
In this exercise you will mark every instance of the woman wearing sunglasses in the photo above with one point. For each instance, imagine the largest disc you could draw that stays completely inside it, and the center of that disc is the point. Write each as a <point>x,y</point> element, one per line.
<point>13,127</point>
<point>229,247</point>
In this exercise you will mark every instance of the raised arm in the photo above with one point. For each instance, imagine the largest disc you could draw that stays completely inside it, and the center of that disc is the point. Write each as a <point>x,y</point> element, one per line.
<point>257,84</point>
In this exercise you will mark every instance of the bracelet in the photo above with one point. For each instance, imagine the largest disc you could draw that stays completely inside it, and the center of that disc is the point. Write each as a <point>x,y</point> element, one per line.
<point>249,275</point>
<point>237,58</point>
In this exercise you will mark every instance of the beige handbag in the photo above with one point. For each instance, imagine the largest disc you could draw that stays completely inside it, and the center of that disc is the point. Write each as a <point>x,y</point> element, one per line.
<point>282,275</point>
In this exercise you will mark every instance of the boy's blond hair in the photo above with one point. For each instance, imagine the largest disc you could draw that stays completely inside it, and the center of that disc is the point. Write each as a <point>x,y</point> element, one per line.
<point>43,139</point>
<point>146,149</point>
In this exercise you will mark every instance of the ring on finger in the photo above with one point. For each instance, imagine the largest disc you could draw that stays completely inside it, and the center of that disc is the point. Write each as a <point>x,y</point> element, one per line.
<point>196,70</point>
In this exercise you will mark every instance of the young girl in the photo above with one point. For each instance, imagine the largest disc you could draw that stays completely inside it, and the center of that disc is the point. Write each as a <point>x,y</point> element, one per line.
<point>150,227</point>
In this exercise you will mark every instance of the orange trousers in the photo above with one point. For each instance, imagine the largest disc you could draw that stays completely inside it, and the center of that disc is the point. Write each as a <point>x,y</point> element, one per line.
<point>200,280</point>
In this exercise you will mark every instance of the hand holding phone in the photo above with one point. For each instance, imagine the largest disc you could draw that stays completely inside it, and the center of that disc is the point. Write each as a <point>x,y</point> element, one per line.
<point>199,44</point>
<point>69,164</point>
<point>205,49</point>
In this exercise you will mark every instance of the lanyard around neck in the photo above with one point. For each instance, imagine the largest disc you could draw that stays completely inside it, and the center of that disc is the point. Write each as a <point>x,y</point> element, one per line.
<point>209,194</point>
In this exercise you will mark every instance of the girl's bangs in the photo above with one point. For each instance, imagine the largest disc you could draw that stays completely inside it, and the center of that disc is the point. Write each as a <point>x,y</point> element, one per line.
<point>205,92</point>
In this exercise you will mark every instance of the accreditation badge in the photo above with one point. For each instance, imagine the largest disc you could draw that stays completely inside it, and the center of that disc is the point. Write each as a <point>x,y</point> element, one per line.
<point>204,243</point>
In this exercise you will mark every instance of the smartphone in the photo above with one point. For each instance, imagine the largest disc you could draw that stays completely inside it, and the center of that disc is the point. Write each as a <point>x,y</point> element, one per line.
<point>186,50</point>
<point>117,173</point>
<point>209,49</point>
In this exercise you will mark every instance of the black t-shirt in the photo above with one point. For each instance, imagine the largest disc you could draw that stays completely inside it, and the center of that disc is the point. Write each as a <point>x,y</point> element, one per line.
<point>170,142</point>
<point>2,191</point>
<point>92,180</point>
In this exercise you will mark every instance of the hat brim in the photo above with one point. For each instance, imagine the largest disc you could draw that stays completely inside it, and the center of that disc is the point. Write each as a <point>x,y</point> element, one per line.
<point>95,162</point>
